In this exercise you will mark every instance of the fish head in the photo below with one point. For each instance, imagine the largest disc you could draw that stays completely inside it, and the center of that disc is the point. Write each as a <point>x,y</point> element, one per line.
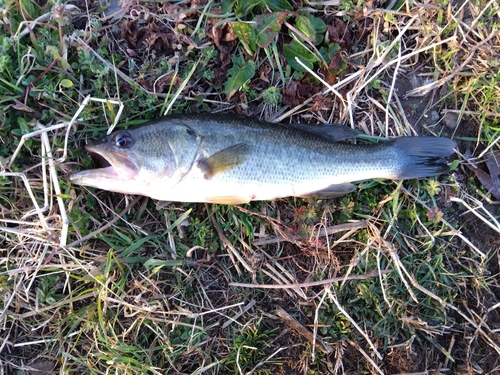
<point>131,161</point>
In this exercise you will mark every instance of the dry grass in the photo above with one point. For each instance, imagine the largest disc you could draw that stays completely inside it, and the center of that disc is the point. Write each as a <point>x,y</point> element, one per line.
<point>397,278</point>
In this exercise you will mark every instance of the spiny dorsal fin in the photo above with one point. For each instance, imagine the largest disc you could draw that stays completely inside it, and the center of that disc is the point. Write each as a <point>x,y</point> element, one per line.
<point>224,160</point>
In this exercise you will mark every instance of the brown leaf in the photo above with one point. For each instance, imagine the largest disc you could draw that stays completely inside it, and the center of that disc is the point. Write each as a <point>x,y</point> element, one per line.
<point>339,33</point>
<point>161,83</point>
<point>329,76</point>
<point>166,80</point>
<point>306,90</point>
<point>129,34</point>
<point>290,94</point>
<point>228,34</point>
<point>146,84</point>
<point>198,3</point>
<point>265,71</point>
<point>186,40</point>
<point>296,92</point>
<point>223,37</point>
<point>490,181</point>
<point>321,103</point>
<point>335,62</point>
<point>220,74</point>
<point>160,41</point>
<point>22,107</point>
<point>434,214</point>
<point>176,12</point>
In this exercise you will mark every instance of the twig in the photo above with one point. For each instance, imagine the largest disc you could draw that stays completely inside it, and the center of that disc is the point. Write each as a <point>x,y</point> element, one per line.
<point>232,249</point>
<point>452,229</point>
<point>367,275</point>
<point>368,358</point>
<point>321,233</point>
<point>423,90</point>
<point>333,298</point>
<point>303,331</point>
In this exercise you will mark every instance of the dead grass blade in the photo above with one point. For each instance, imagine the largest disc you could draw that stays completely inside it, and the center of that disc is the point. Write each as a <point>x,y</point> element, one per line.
<point>303,331</point>
<point>332,280</point>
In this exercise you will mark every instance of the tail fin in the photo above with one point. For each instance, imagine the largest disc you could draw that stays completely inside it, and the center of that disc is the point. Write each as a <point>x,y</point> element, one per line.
<point>424,156</point>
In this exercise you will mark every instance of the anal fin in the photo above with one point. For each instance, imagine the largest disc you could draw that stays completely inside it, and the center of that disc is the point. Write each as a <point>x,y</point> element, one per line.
<point>332,191</point>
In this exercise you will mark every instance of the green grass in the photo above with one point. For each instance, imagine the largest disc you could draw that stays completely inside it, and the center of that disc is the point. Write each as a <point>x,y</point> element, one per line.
<point>144,287</point>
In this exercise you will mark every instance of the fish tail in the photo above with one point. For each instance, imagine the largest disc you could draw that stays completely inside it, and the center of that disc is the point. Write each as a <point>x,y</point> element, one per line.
<point>423,156</point>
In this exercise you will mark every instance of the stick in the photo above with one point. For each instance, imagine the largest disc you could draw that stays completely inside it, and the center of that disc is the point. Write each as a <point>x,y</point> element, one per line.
<point>367,275</point>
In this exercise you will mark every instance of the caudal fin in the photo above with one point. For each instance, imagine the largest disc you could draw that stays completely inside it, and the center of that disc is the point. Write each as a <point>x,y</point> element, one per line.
<point>423,156</point>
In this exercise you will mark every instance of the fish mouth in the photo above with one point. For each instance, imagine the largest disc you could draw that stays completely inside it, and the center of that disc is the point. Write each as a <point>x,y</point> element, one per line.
<point>114,168</point>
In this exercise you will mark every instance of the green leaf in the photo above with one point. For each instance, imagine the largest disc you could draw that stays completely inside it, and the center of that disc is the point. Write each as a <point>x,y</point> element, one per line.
<point>304,24</point>
<point>277,5</point>
<point>312,27</point>
<point>244,7</point>
<point>319,27</point>
<point>295,49</point>
<point>454,164</point>
<point>318,24</point>
<point>331,58</point>
<point>246,35</point>
<point>66,83</point>
<point>23,125</point>
<point>54,51</point>
<point>267,26</point>
<point>239,73</point>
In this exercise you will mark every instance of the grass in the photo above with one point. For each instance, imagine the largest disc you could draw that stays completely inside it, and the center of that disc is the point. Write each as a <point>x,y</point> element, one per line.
<point>395,278</point>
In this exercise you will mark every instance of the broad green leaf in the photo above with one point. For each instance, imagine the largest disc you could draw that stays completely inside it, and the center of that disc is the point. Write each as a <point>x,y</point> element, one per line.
<point>66,83</point>
<point>267,26</point>
<point>246,35</point>
<point>239,73</point>
<point>319,27</point>
<point>277,5</point>
<point>312,27</point>
<point>295,49</point>
<point>245,6</point>
<point>305,26</point>
<point>318,24</point>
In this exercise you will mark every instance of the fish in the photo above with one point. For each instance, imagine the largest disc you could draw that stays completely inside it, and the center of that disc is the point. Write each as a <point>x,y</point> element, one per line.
<point>231,159</point>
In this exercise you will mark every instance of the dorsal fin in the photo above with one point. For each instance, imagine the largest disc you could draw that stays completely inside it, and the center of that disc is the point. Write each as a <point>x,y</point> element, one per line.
<point>328,132</point>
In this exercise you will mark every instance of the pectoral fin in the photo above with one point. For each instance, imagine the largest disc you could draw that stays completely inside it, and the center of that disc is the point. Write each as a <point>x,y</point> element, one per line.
<point>332,191</point>
<point>225,160</point>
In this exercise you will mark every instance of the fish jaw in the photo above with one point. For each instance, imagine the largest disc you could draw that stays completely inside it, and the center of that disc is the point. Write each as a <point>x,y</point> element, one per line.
<point>120,175</point>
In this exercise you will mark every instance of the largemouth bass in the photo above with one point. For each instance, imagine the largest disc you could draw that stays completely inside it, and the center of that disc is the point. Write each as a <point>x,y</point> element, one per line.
<point>230,159</point>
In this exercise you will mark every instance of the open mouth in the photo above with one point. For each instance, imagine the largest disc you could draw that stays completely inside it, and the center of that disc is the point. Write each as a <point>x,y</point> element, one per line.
<point>105,168</point>
<point>115,167</point>
<point>104,171</point>
<point>99,160</point>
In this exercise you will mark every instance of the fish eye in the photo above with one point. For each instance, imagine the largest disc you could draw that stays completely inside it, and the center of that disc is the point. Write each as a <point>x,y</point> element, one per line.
<point>122,140</point>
